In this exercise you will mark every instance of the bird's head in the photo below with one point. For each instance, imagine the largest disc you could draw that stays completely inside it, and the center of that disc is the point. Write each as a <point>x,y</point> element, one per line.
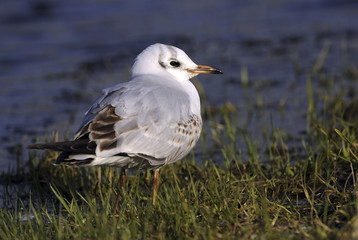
<point>159,59</point>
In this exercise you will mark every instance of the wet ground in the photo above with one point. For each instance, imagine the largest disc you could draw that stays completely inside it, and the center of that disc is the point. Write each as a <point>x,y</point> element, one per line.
<point>56,56</point>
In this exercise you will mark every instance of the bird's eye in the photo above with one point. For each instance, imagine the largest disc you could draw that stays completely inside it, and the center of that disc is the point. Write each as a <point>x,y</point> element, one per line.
<point>174,63</point>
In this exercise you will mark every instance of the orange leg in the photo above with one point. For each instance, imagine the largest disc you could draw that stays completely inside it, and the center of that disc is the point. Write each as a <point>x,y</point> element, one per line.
<point>155,185</point>
<point>122,180</point>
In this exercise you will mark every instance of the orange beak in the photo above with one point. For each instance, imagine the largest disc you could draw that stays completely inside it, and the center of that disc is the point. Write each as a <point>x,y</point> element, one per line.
<point>205,69</point>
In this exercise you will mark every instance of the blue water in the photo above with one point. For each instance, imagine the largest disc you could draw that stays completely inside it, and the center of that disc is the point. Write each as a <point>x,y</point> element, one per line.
<point>56,56</point>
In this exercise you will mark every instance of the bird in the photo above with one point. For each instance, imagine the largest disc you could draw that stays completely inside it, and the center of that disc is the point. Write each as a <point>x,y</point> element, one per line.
<point>147,122</point>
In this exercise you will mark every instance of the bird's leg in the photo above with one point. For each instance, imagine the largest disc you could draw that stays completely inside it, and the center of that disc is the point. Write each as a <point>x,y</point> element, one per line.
<point>155,185</point>
<point>122,180</point>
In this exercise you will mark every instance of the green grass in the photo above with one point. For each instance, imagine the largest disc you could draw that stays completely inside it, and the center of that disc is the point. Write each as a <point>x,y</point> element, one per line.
<point>309,195</point>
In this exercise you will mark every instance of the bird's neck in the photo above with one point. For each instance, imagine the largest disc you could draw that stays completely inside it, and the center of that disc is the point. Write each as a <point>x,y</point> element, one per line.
<point>194,97</point>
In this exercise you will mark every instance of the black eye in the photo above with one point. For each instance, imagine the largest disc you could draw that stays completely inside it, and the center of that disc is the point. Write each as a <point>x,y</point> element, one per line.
<point>174,63</point>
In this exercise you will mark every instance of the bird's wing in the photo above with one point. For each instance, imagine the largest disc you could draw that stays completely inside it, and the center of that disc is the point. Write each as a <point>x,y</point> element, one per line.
<point>99,104</point>
<point>151,121</point>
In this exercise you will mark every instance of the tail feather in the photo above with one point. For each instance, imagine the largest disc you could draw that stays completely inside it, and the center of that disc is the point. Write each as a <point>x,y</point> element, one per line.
<point>77,146</point>
<point>82,152</point>
<point>65,158</point>
<point>80,147</point>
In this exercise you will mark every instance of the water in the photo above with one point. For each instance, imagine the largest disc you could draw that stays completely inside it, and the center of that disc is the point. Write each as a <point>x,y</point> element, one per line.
<point>56,56</point>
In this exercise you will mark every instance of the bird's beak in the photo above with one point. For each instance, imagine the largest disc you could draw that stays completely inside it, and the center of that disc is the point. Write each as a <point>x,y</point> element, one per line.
<point>205,69</point>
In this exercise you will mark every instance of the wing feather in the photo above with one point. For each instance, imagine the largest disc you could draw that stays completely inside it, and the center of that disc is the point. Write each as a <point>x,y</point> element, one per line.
<point>145,121</point>
<point>141,121</point>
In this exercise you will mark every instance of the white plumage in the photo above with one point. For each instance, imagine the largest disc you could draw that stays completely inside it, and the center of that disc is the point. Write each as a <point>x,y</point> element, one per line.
<point>152,120</point>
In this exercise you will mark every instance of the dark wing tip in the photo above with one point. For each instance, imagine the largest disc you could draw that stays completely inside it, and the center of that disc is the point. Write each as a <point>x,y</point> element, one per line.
<point>35,146</point>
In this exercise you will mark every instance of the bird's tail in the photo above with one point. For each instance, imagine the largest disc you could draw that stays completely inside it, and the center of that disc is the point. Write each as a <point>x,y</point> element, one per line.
<point>56,146</point>
<point>82,149</point>
<point>76,146</point>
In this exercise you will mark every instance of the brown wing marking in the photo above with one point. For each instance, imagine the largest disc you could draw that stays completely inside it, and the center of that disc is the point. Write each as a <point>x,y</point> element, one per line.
<point>191,128</point>
<point>102,130</point>
<point>187,133</point>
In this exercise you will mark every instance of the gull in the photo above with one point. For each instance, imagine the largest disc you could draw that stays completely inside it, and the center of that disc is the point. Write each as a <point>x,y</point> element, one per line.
<point>148,122</point>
